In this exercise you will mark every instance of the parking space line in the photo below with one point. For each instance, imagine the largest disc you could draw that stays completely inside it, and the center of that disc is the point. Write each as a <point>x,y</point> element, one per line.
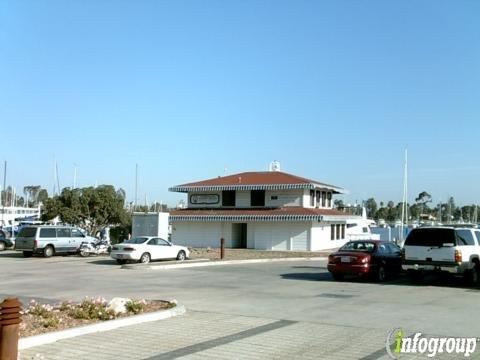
<point>221,341</point>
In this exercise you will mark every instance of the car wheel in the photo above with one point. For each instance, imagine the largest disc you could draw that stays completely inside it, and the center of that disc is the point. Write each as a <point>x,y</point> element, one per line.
<point>181,255</point>
<point>121,261</point>
<point>337,276</point>
<point>84,253</point>
<point>381,274</point>
<point>27,254</point>
<point>475,275</point>
<point>48,251</point>
<point>145,258</point>
<point>2,246</point>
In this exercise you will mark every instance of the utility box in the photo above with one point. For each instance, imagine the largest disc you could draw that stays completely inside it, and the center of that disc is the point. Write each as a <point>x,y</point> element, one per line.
<point>150,224</point>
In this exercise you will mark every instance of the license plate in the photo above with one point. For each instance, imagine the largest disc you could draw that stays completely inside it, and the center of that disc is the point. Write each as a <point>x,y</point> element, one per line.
<point>345,259</point>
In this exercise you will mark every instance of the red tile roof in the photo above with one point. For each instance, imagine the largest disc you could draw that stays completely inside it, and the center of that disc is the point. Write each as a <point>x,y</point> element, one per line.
<point>283,213</point>
<point>259,179</point>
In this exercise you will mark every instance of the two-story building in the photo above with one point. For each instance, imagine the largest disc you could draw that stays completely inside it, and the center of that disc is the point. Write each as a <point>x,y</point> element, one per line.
<point>269,210</point>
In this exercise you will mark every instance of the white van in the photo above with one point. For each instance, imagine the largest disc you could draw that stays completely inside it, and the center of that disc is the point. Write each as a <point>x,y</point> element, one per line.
<point>49,240</point>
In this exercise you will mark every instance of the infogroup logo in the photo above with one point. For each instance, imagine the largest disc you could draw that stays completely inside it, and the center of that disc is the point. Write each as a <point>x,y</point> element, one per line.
<point>431,346</point>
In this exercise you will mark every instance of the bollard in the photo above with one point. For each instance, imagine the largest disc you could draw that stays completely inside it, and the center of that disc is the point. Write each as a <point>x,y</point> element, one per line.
<point>10,319</point>
<point>222,248</point>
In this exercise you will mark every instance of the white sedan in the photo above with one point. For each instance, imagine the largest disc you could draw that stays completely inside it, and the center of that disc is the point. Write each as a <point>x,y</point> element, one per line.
<point>144,249</point>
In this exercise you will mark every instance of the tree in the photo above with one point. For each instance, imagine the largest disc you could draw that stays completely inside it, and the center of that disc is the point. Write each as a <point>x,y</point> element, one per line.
<point>90,208</point>
<point>371,207</point>
<point>42,196</point>
<point>338,203</point>
<point>423,199</point>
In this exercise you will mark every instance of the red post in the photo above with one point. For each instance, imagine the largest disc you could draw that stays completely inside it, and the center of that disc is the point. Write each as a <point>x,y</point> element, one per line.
<point>222,248</point>
<point>10,319</point>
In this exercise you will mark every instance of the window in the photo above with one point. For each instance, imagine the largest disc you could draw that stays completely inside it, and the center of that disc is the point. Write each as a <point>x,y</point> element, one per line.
<point>77,233</point>
<point>318,196</point>
<point>332,232</point>
<point>152,242</point>
<point>343,231</point>
<point>324,198</point>
<point>162,242</point>
<point>394,249</point>
<point>48,233</point>
<point>329,199</point>
<point>430,237</point>
<point>358,246</point>
<point>63,232</point>
<point>312,198</point>
<point>28,232</point>
<point>228,198</point>
<point>465,237</point>
<point>338,232</point>
<point>274,197</point>
<point>257,198</point>
<point>382,249</point>
<point>477,233</point>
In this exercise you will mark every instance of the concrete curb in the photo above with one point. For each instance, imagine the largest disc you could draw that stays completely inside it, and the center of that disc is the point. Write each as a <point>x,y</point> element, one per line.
<point>48,338</point>
<point>217,263</point>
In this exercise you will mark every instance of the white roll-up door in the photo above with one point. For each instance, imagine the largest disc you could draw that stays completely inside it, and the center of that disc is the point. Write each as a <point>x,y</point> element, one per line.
<point>280,236</point>
<point>299,236</point>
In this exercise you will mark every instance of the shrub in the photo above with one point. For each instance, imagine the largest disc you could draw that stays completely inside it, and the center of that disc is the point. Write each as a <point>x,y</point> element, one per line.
<point>91,309</point>
<point>136,306</point>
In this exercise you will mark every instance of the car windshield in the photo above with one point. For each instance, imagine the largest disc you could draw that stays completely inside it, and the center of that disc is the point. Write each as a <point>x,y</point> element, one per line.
<point>138,240</point>
<point>358,246</point>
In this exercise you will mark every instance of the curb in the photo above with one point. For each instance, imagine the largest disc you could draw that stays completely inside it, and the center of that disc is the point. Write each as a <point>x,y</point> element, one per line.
<point>48,338</point>
<point>218,262</point>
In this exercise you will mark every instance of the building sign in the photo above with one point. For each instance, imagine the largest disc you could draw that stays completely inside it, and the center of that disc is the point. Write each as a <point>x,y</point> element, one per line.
<point>198,199</point>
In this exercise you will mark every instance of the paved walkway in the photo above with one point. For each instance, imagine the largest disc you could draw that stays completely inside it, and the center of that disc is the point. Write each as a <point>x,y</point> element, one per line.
<point>202,335</point>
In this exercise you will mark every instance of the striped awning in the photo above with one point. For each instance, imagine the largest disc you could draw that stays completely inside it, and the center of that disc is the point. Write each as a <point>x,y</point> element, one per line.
<point>246,217</point>
<point>186,189</point>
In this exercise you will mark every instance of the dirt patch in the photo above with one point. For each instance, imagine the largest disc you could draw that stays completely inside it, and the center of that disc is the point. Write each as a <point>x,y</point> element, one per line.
<point>43,318</point>
<point>244,254</point>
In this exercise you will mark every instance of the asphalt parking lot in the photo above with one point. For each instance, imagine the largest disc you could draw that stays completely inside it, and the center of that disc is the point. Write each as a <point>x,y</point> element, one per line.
<point>302,292</point>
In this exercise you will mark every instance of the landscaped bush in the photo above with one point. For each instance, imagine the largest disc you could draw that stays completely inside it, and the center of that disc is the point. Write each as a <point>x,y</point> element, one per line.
<point>38,318</point>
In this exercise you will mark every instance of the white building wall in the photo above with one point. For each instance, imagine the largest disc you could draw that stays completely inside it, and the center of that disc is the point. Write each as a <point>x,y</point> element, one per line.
<point>260,235</point>
<point>306,198</point>
<point>321,237</point>
<point>283,198</point>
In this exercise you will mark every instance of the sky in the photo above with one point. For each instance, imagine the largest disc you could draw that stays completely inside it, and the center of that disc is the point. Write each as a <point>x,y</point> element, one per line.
<point>189,90</point>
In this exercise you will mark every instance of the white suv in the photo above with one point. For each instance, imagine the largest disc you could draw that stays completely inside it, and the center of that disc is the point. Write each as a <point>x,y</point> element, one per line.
<point>455,250</point>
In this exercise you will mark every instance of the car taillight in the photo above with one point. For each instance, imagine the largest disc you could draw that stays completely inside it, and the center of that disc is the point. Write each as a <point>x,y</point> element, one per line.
<point>128,249</point>
<point>364,260</point>
<point>330,258</point>
<point>458,256</point>
<point>35,243</point>
<point>403,254</point>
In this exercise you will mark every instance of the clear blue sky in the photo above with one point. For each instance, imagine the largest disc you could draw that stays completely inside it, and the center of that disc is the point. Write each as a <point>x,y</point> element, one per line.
<point>335,90</point>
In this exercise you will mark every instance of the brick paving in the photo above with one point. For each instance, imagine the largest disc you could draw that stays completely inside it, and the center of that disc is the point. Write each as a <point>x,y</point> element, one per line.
<point>202,335</point>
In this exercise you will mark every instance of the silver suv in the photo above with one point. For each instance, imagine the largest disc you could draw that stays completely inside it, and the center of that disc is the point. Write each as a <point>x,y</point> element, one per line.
<point>49,240</point>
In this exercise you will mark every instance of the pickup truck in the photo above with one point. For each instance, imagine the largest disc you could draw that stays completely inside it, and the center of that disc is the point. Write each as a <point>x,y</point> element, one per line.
<point>453,250</point>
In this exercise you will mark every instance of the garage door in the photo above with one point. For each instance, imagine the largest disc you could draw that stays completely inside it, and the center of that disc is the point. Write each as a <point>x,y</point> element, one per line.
<point>299,235</point>
<point>263,237</point>
<point>280,237</point>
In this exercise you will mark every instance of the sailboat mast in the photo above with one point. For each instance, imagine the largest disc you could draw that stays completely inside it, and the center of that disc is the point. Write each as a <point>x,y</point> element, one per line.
<point>5,192</point>
<point>404,199</point>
